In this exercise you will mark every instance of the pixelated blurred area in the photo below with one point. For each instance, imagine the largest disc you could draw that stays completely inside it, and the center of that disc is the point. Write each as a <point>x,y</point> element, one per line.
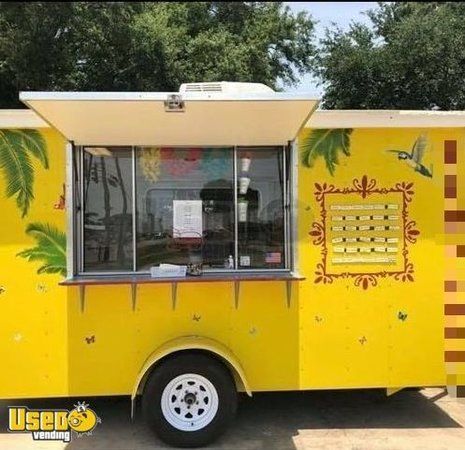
<point>454,284</point>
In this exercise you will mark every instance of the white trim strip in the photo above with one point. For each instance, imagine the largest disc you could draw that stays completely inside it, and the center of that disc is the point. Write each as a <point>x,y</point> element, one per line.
<point>21,118</point>
<point>386,119</point>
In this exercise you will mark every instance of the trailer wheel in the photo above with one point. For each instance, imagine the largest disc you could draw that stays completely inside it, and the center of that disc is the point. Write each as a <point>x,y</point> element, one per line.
<point>189,400</point>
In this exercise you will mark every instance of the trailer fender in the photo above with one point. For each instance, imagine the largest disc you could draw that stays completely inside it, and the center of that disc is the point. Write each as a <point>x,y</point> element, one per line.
<point>192,343</point>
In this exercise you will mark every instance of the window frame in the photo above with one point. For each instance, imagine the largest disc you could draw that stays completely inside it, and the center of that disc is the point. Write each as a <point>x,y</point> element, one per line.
<point>76,215</point>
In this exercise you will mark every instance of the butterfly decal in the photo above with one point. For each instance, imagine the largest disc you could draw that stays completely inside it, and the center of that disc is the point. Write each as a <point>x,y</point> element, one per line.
<point>61,203</point>
<point>90,339</point>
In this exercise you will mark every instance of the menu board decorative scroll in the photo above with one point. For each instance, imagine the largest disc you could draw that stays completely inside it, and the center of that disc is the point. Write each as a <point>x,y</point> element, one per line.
<point>364,232</point>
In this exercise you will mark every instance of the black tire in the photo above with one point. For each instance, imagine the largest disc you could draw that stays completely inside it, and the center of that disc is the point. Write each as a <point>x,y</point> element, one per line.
<point>168,370</point>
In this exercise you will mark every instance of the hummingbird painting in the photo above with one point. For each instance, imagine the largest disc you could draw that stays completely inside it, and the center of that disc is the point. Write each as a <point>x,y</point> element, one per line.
<point>414,158</point>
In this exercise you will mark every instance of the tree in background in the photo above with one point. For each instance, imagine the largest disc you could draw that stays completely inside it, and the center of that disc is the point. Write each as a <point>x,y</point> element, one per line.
<point>412,57</point>
<point>143,46</point>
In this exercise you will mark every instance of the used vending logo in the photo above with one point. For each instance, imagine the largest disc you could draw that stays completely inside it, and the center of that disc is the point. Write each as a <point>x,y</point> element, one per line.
<point>52,424</point>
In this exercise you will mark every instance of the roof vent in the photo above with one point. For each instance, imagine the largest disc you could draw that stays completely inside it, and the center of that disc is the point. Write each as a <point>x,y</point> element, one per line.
<point>226,87</point>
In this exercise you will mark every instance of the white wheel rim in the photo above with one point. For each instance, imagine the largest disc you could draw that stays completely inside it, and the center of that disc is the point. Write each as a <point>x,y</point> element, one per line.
<point>189,402</point>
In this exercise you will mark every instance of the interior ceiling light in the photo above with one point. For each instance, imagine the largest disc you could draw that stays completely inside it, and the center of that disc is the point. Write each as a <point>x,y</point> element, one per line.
<point>98,151</point>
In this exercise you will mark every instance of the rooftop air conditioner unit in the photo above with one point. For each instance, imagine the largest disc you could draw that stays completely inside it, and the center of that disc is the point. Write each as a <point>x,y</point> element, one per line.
<point>225,87</point>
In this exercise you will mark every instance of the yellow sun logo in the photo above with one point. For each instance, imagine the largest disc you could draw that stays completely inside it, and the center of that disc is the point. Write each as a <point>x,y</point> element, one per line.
<point>82,419</point>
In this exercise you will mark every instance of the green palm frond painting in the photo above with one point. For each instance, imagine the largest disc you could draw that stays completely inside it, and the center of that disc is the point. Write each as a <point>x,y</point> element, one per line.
<point>16,148</point>
<point>325,143</point>
<point>50,248</point>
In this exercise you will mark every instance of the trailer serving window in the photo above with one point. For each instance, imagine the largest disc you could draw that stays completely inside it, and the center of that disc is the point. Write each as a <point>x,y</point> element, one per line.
<point>222,207</point>
<point>195,176</point>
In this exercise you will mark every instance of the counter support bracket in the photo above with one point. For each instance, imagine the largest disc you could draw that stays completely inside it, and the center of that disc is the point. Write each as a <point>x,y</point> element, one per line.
<point>237,288</point>
<point>288,292</point>
<point>82,297</point>
<point>134,296</point>
<point>174,294</point>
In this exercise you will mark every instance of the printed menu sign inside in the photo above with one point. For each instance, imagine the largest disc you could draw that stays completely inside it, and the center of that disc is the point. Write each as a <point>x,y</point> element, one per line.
<point>187,219</point>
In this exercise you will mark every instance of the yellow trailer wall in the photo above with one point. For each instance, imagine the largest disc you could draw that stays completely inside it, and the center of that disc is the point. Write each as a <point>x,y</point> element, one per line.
<point>391,333</point>
<point>33,308</point>
<point>346,332</point>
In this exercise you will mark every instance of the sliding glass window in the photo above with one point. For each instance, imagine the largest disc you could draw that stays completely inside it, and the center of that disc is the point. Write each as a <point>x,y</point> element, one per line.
<point>107,219</point>
<point>223,208</point>
<point>261,230</point>
<point>185,206</point>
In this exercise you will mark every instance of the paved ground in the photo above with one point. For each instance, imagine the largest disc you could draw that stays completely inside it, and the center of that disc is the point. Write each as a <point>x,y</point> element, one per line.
<point>361,420</point>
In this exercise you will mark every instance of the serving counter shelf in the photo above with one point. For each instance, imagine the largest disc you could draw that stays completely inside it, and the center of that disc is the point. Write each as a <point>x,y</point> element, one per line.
<point>83,281</point>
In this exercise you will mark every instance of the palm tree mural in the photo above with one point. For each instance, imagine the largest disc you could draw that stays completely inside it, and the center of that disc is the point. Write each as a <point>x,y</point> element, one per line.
<point>50,248</point>
<point>325,143</point>
<point>16,149</point>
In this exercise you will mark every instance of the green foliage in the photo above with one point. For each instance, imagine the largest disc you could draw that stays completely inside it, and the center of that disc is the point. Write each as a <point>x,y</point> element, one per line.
<point>325,143</point>
<point>50,248</point>
<point>16,148</point>
<point>144,46</point>
<point>410,57</point>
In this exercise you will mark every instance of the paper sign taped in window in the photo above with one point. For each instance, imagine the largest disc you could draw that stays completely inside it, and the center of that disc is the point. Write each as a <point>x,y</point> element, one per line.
<point>187,219</point>
<point>244,261</point>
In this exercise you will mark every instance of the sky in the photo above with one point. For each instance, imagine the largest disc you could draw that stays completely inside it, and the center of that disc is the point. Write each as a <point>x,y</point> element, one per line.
<point>341,13</point>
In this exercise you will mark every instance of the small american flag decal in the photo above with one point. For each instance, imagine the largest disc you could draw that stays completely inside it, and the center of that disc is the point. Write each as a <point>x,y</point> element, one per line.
<point>273,258</point>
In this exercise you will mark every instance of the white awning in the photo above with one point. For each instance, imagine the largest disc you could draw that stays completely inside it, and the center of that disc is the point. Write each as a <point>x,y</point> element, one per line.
<point>213,119</point>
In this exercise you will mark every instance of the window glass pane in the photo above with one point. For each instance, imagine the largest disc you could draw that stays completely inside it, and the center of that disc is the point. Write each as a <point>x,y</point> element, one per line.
<point>260,208</point>
<point>107,209</point>
<point>185,206</point>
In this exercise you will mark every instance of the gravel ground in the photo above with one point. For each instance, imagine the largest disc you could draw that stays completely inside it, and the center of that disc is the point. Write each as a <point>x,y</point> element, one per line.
<point>357,419</point>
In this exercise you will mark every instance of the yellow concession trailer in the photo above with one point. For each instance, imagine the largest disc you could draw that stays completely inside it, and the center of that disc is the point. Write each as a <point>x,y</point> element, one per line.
<point>185,246</point>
